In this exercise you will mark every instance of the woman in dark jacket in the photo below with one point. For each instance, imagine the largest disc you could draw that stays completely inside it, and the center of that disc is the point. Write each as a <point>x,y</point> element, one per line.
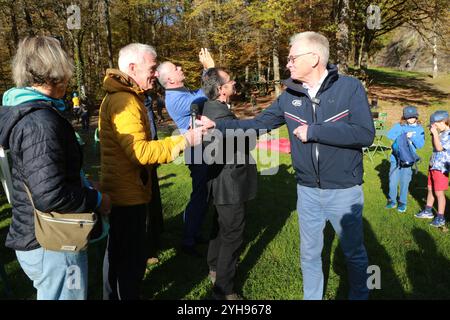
<point>47,159</point>
<point>232,182</point>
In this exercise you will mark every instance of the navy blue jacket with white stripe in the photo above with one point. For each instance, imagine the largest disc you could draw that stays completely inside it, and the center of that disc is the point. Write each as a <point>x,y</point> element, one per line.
<point>339,128</point>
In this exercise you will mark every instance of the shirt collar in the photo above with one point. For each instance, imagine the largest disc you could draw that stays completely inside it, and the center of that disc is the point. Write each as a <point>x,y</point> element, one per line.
<point>321,80</point>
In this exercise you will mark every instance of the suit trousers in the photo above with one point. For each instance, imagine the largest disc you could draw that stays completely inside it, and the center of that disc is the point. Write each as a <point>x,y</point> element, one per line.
<point>226,238</point>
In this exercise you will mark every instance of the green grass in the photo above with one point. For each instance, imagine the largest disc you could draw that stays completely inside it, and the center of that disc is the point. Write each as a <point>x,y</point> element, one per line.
<point>413,257</point>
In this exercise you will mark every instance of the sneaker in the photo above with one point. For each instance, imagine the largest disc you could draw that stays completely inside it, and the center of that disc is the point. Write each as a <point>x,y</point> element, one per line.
<point>391,205</point>
<point>401,207</point>
<point>212,276</point>
<point>438,222</point>
<point>424,215</point>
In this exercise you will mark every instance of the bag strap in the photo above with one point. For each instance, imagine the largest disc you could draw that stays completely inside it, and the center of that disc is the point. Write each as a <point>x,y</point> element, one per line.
<point>29,195</point>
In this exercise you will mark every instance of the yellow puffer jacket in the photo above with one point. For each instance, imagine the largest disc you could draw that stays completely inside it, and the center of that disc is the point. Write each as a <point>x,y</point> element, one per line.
<point>127,151</point>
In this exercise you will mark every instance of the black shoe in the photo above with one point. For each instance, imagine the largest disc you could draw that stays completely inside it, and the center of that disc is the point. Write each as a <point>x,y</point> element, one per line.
<point>190,250</point>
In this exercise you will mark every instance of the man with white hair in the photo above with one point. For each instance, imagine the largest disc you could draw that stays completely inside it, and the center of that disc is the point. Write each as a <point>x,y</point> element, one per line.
<point>178,104</point>
<point>329,122</point>
<point>127,153</point>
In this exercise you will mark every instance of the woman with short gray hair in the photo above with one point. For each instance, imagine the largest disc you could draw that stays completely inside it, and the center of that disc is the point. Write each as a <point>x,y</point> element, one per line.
<point>47,159</point>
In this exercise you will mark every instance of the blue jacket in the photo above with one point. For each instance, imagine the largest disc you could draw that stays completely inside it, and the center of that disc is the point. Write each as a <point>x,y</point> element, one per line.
<point>341,126</point>
<point>417,139</point>
<point>178,104</point>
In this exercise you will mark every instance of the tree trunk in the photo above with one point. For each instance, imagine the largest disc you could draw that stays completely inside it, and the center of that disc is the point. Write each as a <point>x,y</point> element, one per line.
<point>276,61</point>
<point>246,73</point>
<point>359,51</point>
<point>28,19</point>
<point>108,32</point>
<point>342,38</point>
<point>435,60</point>
<point>259,63</point>
<point>77,55</point>
<point>14,29</point>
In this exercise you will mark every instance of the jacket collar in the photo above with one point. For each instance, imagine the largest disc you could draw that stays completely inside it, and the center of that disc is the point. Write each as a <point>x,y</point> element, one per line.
<point>117,81</point>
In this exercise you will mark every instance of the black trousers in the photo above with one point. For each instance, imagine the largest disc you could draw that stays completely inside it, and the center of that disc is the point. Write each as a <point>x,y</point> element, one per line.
<point>226,238</point>
<point>127,251</point>
<point>155,223</point>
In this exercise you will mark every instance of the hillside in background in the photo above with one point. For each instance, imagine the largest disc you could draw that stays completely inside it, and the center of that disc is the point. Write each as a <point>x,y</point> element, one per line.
<point>406,44</point>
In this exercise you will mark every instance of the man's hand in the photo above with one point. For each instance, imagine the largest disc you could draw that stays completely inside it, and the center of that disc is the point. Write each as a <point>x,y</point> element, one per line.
<point>105,205</point>
<point>194,136</point>
<point>206,59</point>
<point>301,132</point>
<point>434,130</point>
<point>206,123</point>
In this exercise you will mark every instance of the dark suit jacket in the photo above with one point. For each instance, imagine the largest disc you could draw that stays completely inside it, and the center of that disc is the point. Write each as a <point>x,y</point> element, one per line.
<point>228,183</point>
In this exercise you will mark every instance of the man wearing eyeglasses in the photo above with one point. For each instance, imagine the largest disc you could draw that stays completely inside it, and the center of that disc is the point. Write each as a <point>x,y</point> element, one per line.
<point>329,122</point>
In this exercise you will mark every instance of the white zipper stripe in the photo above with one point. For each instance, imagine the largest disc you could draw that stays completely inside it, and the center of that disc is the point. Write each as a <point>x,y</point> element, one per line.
<point>335,116</point>
<point>294,116</point>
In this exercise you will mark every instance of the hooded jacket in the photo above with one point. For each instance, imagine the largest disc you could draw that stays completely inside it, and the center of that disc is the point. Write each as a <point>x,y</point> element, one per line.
<point>339,127</point>
<point>127,150</point>
<point>46,156</point>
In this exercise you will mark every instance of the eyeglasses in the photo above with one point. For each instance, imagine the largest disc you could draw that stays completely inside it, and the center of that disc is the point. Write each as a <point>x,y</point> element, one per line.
<point>291,59</point>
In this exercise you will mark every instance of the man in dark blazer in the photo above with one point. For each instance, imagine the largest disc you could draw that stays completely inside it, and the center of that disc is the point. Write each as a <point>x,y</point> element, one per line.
<point>232,181</point>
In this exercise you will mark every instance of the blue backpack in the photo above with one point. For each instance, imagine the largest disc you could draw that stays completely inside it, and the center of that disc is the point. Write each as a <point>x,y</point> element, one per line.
<point>404,152</point>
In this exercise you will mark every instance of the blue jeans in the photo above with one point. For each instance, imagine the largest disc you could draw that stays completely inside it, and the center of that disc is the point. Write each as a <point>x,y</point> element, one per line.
<point>56,275</point>
<point>402,176</point>
<point>343,208</point>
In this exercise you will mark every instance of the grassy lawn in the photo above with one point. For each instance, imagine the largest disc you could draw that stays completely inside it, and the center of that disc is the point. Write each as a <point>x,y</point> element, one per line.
<point>413,257</point>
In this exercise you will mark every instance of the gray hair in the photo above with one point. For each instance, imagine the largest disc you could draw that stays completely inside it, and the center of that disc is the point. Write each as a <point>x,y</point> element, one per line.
<point>41,60</point>
<point>163,73</point>
<point>315,42</point>
<point>134,53</point>
<point>211,82</point>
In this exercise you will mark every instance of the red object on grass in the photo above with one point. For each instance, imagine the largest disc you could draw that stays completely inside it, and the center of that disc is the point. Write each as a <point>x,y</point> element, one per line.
<point>281,145</point>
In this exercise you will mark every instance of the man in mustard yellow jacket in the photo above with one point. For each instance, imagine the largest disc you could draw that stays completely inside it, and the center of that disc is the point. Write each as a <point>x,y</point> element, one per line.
<point>127,153</point>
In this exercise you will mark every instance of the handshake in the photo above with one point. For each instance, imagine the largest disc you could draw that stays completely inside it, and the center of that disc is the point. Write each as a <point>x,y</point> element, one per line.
<point>198,129</point>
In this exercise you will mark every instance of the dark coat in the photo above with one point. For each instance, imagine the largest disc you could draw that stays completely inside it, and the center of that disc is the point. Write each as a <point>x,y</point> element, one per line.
<point>339,128</point>
<point>46,156</point>
<point>229,183</point>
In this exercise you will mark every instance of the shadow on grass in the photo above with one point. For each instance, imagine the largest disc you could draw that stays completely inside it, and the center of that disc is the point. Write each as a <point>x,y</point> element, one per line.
<point>427,269</point>
<point>383,174</point>
<point>177,276</point>
<point>391,287</point>
<point>417,186</point>
<point>266,216</point>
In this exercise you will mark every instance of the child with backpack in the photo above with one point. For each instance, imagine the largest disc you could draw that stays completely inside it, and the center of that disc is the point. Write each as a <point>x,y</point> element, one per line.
<point>439,168</point>
<point>400,172</point>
